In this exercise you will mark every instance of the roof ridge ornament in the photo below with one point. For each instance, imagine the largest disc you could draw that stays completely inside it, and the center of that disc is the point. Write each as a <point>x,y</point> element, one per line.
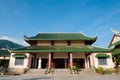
<point>115,32</point>
<point>8,48</point>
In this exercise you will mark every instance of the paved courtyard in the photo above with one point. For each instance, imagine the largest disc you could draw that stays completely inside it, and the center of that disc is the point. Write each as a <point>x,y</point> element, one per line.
<point>63,77</point>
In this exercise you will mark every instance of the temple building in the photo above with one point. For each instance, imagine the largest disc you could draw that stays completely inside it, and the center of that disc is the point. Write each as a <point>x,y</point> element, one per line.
<point>115,42</point>
<point>60,50</point>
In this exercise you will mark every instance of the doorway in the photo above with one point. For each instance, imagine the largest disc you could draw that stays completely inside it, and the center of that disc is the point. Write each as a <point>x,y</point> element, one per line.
<point>44,63</point>
<point>32,63</point>
<point>59,63</point>
<point>79,62</point>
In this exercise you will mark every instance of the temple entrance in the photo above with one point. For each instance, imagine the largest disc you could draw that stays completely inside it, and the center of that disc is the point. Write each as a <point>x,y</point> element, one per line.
<point>33,64</point>
<point>79,62</point>
<point>59,63</point>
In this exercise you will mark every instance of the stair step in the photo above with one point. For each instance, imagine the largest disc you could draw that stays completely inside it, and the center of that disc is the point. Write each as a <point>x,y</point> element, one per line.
<point>57,72</point>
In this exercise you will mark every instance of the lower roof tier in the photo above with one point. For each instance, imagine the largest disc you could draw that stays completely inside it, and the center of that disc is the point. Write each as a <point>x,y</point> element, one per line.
<point>85,48</point>
<point>116,52</point>
<point>4,53</point>
<point>115,44</point>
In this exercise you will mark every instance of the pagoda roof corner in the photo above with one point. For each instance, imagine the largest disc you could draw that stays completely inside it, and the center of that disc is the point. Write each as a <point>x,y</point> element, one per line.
<point>115,32</point>
<point>25,37</point>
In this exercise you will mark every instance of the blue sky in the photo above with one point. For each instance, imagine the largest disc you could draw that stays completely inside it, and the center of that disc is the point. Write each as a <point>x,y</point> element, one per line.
<point>28,17</point>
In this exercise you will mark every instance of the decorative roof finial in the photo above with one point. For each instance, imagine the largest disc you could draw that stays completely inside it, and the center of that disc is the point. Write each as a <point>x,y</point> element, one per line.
<point>115,32</point>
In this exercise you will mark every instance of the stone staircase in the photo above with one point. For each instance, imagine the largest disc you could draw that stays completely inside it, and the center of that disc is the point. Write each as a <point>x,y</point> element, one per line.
<point>35,72</point>
<point>61,72</point>
<point>86,72</point>
<point>58,72</point>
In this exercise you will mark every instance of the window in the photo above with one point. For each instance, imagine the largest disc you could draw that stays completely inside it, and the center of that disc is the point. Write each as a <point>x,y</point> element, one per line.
<point>19,60</point>
<point>102,61</point>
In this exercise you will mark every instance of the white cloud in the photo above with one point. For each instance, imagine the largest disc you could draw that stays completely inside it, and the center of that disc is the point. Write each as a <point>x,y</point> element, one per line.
<point>21,42</point>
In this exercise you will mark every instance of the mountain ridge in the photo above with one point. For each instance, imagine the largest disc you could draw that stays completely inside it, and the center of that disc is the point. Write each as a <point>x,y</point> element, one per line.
<point>7,43</point>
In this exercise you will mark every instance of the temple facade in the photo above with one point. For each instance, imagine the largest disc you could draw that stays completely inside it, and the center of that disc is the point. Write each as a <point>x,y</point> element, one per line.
<point>60,50</point>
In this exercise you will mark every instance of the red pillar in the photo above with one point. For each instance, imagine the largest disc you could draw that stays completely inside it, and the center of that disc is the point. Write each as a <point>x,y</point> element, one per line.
<point>93,64</point>
<point>49,59</point>
<point>71,60</point>
<point>52,61</point>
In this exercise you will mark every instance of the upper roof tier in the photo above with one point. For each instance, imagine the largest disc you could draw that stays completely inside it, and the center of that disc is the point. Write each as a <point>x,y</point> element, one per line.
<point>61,36</point>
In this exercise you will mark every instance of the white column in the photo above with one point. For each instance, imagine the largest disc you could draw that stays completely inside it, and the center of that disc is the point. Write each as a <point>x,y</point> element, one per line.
<point>39,63</point>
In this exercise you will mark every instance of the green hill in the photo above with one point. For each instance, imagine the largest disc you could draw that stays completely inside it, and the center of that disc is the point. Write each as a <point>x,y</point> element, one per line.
<point>10,44</point>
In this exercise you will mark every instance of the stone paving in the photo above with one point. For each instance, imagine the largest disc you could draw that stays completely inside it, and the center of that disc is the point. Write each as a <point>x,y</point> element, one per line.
<point>84,74</point>
<point>65,77</point>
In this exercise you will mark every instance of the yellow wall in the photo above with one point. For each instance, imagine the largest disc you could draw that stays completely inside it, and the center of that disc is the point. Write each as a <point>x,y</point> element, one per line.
<point>58,43</point>
<point>42,55</point>
<point>60,55</point>
<point>78,55</point>
<point>44,43</point>
<point>77,43</point>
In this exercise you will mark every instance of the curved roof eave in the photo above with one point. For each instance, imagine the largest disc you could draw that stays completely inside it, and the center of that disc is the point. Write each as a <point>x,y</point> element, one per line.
<point>115,32</point>
<point>85,37</point>
<point>88,48</point>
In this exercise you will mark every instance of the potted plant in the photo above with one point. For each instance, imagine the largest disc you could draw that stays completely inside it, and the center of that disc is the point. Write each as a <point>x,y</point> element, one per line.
<point>100,70</point>
<point>74,69</point>
<point>50,69</point>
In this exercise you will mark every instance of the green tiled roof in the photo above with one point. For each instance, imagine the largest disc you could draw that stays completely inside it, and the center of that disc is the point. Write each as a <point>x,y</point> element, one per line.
<point>115,44</point>
<point>102,55</point>
<point>116,52</point>
<point>87,48</point>
<point>19,55</point>
<point>60,36</point>
<point>4,53</point>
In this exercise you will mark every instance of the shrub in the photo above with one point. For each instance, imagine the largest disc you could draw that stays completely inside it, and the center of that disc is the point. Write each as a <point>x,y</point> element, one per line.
<point>100,70</point>
<point>107,71</point>
<point>73,69</point>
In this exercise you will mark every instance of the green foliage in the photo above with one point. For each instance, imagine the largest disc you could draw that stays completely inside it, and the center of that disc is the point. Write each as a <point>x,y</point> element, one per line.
<point>74,69</point>
<point>107,71</point>
<point>4,63</point>
<point>118,60</point>
<point>100,70</point>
